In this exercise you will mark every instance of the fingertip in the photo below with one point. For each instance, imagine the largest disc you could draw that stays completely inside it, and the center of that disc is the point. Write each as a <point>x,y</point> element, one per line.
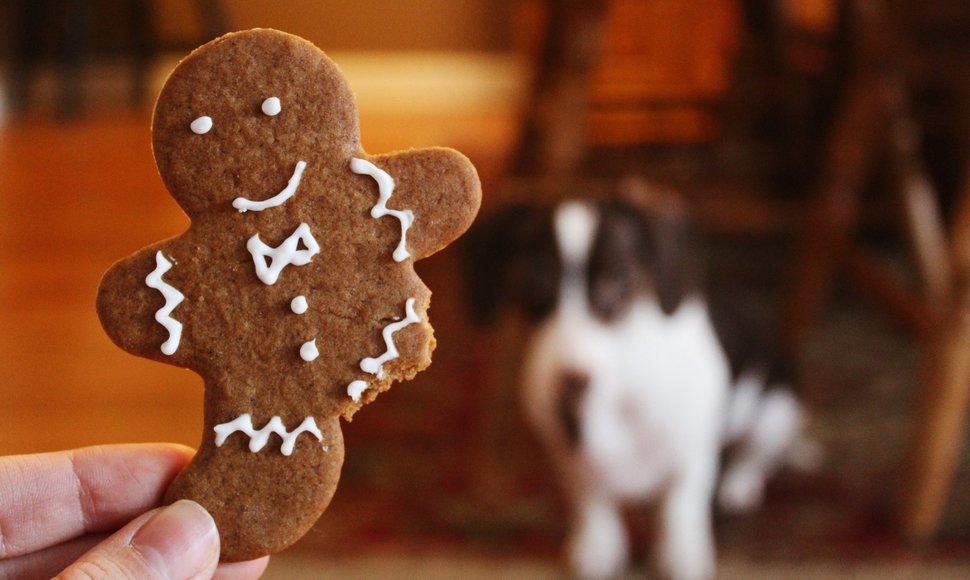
<point>182,453</point>
<point>179,541</point>
<point>242,570</point>
<point>175,541</point>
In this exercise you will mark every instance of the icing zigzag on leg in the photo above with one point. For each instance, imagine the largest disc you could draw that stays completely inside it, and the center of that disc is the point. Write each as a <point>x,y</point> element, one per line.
<point>258,439</point>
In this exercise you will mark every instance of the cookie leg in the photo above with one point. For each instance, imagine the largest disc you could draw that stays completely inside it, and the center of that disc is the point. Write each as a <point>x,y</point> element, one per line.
<point>262,501</point>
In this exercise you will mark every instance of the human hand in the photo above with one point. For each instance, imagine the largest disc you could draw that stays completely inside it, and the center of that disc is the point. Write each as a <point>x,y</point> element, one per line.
<point>85,513</point>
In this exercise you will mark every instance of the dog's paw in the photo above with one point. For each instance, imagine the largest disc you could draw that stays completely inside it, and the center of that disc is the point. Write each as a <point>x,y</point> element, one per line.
<point>742,489</point>
<point>694,562</point>
<point>599,547</point>
<point>597,562</point>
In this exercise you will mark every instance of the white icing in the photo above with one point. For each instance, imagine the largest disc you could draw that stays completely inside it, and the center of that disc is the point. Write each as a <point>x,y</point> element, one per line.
<point>172,299</point>
<point>202,125</point>
<point>299,305</point>
<point>356,389</point>
<point>258,439</point>
<point>308,351</point>
<point>385,185</point>
<point>271,106</point>
<point>375,366</point>
<point>284,255</point>
<point>243,204</point>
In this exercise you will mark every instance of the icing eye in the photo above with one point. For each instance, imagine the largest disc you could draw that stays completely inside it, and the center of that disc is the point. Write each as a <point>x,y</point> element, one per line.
<point>202,125</point>
<point>271,106</point>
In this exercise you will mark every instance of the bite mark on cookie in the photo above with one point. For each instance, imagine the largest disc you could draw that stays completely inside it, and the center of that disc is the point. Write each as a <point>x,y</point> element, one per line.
<point>375,365</point>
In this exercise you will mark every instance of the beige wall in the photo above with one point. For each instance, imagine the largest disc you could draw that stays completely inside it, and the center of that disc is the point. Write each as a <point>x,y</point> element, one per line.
<point>359,24</point>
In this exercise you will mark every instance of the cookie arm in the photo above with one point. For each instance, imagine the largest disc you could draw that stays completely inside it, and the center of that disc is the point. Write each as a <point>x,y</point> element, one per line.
<point>441,187</point>
<point>137,306</point>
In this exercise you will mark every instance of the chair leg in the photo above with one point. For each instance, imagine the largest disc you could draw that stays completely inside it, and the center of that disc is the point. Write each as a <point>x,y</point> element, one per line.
<point>78,32</point>
<point>553,140</point>
<point>849,158</point>
<point>944,397</point>
<point>816,266</point>
<point>143,46</point>
<point>940,422</point>
<point>25,50</point>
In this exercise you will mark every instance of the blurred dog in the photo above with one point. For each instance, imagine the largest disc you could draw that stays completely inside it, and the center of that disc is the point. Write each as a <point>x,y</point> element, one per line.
<point>633,381</point>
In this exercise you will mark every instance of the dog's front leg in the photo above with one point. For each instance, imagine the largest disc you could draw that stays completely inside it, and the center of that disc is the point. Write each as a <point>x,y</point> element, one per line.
<point>598,546</point>
<point>687,542</point>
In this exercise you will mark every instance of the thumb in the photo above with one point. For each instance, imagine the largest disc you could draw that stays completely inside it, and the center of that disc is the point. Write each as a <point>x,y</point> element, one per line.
<point>177,542</point>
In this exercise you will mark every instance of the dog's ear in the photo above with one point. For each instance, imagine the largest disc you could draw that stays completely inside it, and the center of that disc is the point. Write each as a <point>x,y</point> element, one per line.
<point>669,251</point>
<point>490,247</point>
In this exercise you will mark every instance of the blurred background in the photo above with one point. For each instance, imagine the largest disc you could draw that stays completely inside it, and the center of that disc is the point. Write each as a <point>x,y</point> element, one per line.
<point>822,146</point>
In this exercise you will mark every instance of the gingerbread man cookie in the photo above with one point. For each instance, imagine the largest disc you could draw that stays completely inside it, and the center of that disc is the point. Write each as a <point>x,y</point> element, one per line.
<point>293,292</point>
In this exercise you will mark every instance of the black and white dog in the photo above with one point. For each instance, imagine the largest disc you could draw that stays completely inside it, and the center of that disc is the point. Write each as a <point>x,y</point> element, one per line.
<point>630,379</point>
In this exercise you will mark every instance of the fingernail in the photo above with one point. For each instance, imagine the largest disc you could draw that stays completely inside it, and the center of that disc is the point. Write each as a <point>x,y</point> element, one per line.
<point>179,541</point>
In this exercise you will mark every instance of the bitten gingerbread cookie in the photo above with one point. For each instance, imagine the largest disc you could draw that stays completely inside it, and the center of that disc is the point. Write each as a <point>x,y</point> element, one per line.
<point>293,292</point>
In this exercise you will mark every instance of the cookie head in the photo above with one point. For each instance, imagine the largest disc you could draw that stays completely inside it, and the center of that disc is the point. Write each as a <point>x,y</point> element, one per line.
<point>238,113</point>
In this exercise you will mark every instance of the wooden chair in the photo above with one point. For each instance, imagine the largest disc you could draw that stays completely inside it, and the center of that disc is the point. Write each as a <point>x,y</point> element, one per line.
<point>875,121</point>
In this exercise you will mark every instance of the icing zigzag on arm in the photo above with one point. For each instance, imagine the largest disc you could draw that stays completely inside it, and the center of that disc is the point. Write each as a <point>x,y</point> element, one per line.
<point>374,365</point>
<point>172,299</point>
<point>385,186</point>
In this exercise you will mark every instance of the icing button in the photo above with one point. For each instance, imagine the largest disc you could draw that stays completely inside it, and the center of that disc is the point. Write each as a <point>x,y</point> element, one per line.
<point>202,125</point>
<point>271,106</point>
<point>308,351</point>
<point>299,305</point>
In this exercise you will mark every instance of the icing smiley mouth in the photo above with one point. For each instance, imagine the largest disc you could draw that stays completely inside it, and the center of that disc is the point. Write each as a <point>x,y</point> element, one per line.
<point>244,205</point>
